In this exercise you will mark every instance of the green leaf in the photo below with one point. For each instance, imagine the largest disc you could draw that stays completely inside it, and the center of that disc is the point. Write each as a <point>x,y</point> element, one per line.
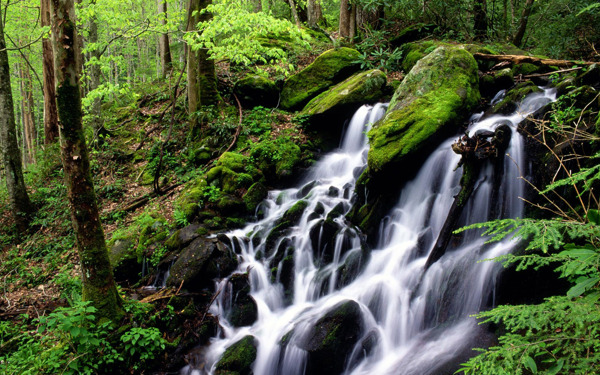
<point>593,216</point>
<point>583,284</point>
<point>529,363</point>
<point>556,368</point>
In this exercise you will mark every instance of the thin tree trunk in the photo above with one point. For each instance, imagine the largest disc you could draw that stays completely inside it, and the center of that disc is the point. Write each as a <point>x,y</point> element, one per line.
<point>95,72</point>
<point>21,206</point>
<point>294,12</point>
<point>192,65</point>
<point>257,5</point>
<point>50,113</point>
<point>98,282</point>
<point>163,41</point>
<point>29,131</point>
<point>371,18</point>
<point>352,30</point>
<point>518,38</point>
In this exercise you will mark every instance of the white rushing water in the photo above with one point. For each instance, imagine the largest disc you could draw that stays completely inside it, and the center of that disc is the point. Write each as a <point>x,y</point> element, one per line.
<point>417,321</point>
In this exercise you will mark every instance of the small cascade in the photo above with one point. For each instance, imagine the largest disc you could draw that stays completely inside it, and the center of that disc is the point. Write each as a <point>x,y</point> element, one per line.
<point>306,267</point>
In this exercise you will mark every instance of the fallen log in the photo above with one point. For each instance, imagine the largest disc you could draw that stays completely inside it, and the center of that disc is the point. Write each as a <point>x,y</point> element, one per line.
<point>520,59</point>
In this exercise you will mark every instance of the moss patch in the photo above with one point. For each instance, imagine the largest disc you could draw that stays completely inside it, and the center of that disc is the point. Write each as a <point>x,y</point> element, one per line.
<point>435,95</point>
<point>328,69</point>
<point>238,358</point>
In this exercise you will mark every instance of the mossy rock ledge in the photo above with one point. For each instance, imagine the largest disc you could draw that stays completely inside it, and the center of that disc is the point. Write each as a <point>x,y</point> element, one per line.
<point>330,68</point>
<point>346,97</point>
<point>428,106</point>
<point>254,90</point>
<point>238,358</point>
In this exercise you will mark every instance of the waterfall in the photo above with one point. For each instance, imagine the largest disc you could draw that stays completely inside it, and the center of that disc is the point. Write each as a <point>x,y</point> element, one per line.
<point>412,321</point>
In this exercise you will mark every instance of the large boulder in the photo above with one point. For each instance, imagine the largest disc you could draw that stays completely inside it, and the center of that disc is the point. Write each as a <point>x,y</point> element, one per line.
<point>437,93</point>
<point>254,90</point>
<point>428,106</point>
<point>328,69</point>
<point>347,96</point>
<point>200,263</point>
<point>244,310</point>
<point>331,340</point>
<point>238,358</point>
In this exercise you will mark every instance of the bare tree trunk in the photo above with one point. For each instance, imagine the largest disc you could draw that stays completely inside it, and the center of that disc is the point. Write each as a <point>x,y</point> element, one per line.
<point>314,13</point>
<point>480,20</point>
<point>95,72</point>
<point>294,12</point>
<point>98,282</point>
<point>163,41</point>
<point>345,13</point>
<point>371,18</point>
<point>29,131</point>
<point>192,65</point>
<point>50,113</point>
<point>21,206</point>
<point>518,38</point>
<point>352,30</point>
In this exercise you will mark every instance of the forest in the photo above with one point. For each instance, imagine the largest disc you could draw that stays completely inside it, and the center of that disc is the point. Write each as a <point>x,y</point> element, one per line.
<point>299,187</point>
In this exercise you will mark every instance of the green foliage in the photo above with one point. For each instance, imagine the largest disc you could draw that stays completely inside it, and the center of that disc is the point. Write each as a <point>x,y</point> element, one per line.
<point>375,52</point>
<point>235,34</point>
<point>71,340</point>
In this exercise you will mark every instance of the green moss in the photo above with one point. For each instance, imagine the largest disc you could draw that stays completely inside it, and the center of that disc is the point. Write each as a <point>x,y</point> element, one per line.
<point>435,95</point>
<point>361,88</point>
<point>514,97</point>
<point>294,213</point>
<point>414,52</point>
<point>328,69</point>
<point>256,193</point>
<point>525,69</point>
<point>238,357</point>
<point>276,158</point>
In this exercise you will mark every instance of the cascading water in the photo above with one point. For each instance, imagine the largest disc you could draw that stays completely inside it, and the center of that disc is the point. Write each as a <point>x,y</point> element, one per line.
<point>412,319</point>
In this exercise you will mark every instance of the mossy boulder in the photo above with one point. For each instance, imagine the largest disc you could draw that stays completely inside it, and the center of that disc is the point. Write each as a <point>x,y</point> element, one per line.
<point>277,159</point>
<point>347,96</point>
<point>190,198</point>
<point>201,262</point>
<point>244,310</point>
<point>412,33</point>
<point>513,97</point>
<point>414,52</point>
<point>437,93</point>
<point>330,68</point>
<point>254,90</point>
<point>255,194</point>
<point>123,259</point>
<point>331,339</point>
<point>491,83</point>
<point>238,358</point>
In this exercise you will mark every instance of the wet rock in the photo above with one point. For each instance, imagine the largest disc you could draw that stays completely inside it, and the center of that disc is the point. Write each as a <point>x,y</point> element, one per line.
<point>124,260</point>
<point>513,97</point>
<point>355,262</point>
<point>238,358</point>
<point>333,191</point>
<point>331,340</point>
<point>322,237</point>
<point>255,194</point>
<point>243,310</point>
<point>304,190</point>
<point>201,262</point>
<point>184,236</point>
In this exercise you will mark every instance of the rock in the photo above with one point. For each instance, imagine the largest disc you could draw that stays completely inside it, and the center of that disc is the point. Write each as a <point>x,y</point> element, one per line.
<point>428,106</point>
<point>254,90</point>
<point>490,84</point>
<point>346,97</point>
<point>591,77</point>
<point>201,262</point>
<point>244,310</point>
<point>255,194</point>
<point>184,236</point>
<point>331,340</point>
<point>123,259</point>
<point>413,52</point>
<point>304,190</point>
<point>412,33</point>
<point>238,358</point>
<point>330,68</point>
<point>431,99</point>
<point>513,97</point>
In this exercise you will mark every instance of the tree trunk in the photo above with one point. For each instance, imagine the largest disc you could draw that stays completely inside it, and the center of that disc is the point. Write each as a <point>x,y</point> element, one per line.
<point>345,12</point>
<point>518,39</point>
<point>314,13</point>
<point>480,19</point>
<point>257,5</point>
<point>370,18</point>
<point>20,204</point>
<point>50,114</point>
<point>98,283</point>
<point>202,79</point>
<point>163,41</point>
<point>29,131</point>
<point>294,12</point>
<point>95,72</point>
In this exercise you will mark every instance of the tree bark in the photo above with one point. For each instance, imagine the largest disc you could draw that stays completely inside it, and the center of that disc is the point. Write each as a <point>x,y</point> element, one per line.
<point>98,282</point>
<point>163,41</point>
<point>294,12</point>
<point>21,206</point>
<point>50,113</point>
<point>480,20</point>
<point>29,131</point>
<point>347,19</point>
<point>518,38</point>
<point>371,18</point>
<point>314,13</point>
<point>519,59</point>
<point>95,72</point>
